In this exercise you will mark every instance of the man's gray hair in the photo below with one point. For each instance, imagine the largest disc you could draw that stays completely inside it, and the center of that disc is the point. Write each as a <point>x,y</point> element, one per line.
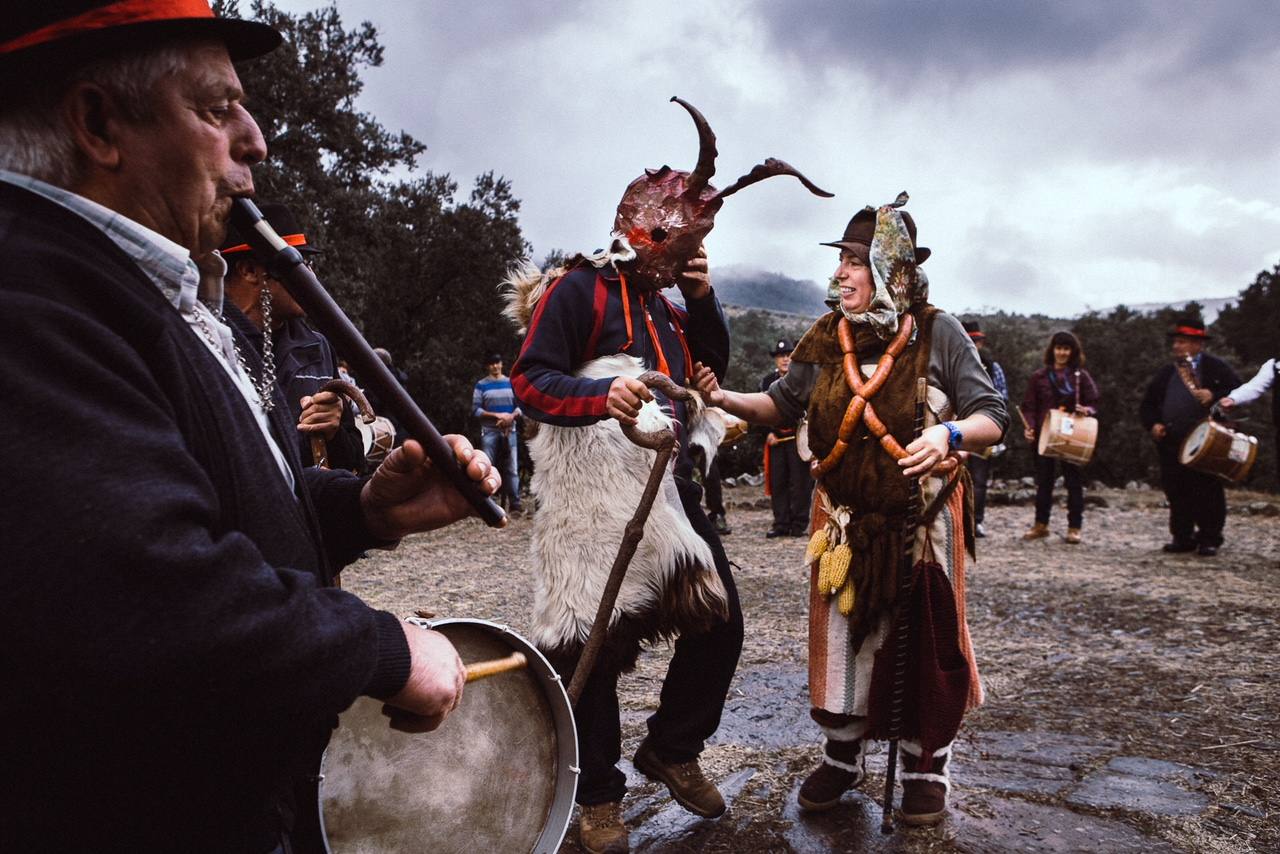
<point>34,139</point>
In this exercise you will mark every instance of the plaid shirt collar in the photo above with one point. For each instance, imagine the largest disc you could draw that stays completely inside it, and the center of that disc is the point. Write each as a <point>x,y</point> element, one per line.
<point>168,265</point>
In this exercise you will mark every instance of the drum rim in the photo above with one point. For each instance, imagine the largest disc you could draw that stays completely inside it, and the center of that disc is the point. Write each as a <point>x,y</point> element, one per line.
<point>566,789</point>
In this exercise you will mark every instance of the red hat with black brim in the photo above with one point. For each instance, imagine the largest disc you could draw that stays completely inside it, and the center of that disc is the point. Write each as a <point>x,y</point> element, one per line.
<point>37,36</point>
<point>1189,328</point>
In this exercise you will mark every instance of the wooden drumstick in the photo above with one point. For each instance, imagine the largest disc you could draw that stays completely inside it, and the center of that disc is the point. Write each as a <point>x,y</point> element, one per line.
<point>1023,416</point>
<point>483,669</point>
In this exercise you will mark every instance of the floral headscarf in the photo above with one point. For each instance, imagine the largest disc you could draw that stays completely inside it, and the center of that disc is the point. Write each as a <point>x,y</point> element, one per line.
<point>899,282</point>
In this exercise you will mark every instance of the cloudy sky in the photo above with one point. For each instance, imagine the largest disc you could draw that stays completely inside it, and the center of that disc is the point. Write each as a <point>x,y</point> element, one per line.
<point>1060,155</point>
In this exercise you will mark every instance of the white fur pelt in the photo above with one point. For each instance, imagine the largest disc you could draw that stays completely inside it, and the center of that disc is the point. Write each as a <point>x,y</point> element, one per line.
<point>588,482</point>
<point>707,432</point>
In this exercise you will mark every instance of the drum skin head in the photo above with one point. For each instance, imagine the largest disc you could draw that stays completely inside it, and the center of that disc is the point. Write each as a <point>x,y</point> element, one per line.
<point>498,775</point>
<point>1194,442</point>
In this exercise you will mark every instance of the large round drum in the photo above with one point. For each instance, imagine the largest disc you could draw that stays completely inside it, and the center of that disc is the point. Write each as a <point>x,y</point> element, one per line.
<point>1216,449</point>
<point>498,775</point>
<point>1067,436</point>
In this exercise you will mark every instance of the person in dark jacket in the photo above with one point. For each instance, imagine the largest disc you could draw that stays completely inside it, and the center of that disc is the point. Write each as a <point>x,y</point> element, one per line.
<point>980,464</point>
<point>302,359</point>
<point>1180,396</point>
<point>604,308</point>
<point>175,658</point>
<point>1064,384</point>
<point>787,480</point>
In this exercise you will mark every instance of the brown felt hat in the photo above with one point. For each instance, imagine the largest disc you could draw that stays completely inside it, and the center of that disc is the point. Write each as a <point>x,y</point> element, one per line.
<point>862,228</point>
<point>60,34</point>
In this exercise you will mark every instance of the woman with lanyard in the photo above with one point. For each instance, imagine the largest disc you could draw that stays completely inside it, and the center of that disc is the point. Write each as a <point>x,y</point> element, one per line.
<point>1064,384</point>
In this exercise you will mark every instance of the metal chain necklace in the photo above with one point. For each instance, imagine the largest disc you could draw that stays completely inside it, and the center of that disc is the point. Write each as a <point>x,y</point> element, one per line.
<point>261,387</point>
<point>265,385</point>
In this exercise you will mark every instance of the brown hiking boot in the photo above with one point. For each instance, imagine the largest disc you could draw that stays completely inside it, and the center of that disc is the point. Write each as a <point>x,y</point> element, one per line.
<point>924,802</point>
<point>600,828</point>
<point>1038,531</point>
<point>1073,536</point>
<point>684,780</point>
<point>844,766</point>
<point>925,783</point>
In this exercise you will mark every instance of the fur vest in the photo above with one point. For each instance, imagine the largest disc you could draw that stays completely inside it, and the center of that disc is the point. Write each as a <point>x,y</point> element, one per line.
<point>867,481</point>
<point>588,481</point>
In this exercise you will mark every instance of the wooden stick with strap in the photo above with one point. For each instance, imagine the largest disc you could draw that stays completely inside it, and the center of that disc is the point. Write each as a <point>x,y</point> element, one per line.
<point>664,443</point>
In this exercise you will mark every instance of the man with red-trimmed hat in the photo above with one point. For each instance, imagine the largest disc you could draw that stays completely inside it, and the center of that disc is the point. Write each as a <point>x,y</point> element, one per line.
<point>295,356</point>
<point>1180,396</point>
<point>175,658</point>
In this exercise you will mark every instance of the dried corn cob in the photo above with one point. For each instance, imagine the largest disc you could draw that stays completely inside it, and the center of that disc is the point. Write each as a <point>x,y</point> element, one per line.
<point>846,600</point>
<point>841,556</point>
<point>824,575</point>
<point>817,545</point>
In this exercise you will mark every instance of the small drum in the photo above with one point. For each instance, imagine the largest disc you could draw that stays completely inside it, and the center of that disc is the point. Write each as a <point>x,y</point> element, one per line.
<point>499,774</point>
<point>1068,437</point>
<point>1216,449</point>
<point>379,437</point>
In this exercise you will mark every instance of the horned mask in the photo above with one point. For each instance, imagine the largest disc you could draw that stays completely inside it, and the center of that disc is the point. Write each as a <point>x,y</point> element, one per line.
<point>666,213</point>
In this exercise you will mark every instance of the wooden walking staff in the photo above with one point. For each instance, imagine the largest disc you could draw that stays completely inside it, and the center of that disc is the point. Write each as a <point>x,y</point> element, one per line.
<point>285,263</point>
<point>901,627</point>
<point>664,442</point>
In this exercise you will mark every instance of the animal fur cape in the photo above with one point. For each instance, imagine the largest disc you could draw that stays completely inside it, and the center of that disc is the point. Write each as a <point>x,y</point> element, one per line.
<point>588,481</point>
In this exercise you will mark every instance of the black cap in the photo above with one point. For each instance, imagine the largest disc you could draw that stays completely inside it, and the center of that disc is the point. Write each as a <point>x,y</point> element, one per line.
<point>972,327</point>
<point>282,220</point>
<point>493,357</point>
<point>783,348</point>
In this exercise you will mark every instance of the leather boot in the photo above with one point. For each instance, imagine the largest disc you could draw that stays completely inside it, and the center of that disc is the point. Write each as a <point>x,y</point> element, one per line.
<point>600,828</point>
<point>684,780</point>
<point>925,784</point>
<point>1038,531</point>
<point>844,766</point>
<point>1073,536</point>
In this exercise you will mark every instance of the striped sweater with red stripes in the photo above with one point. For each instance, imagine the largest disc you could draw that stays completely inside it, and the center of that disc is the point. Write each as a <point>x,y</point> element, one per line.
<point>589,313</point>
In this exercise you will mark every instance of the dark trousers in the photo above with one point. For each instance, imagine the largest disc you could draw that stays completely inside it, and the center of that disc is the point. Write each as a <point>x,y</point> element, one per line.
<point>693,692</point>
<point>790,487</point>
<point>1044,490</point>
<point>714,488</point>
<point>1197,501</point>
<point>980,471</point>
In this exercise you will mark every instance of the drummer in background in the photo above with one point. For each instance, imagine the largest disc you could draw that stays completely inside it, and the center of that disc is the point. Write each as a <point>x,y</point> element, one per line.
<point>174,660</point>
<point>1058,385</point>
<point>1178,398</point>
<point>979,465</point>
<point>1255,388</point>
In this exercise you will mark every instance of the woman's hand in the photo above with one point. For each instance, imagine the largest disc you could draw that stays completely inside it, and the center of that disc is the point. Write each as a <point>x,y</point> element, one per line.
<point>707,386</point>
<point>927,451</point>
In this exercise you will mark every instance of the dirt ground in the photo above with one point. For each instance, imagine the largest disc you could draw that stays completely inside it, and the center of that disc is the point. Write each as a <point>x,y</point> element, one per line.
<point>1115,652</point>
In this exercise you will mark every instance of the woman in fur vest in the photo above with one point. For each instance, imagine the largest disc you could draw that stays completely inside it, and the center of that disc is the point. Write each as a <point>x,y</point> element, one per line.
<point>882,320</point>
<point>1064,384</point>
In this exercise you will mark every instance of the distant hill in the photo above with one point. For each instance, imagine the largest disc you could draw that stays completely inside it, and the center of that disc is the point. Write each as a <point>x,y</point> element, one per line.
<point>751,288</point>
<point>1210,306</point>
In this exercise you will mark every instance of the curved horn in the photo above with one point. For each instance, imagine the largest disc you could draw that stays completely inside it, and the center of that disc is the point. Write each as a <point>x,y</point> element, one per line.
<point>706,150</point>
<point>768,169</point>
